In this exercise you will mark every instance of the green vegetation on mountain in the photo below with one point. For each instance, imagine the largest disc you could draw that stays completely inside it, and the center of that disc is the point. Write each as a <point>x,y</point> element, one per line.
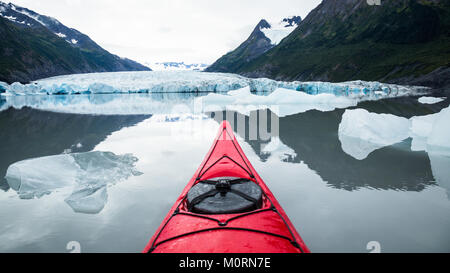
<point>29,53</point>
<point>340,40</point>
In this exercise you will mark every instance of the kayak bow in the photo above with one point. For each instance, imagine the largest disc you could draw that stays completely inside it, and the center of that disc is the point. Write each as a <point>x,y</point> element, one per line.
<point>226,208</point>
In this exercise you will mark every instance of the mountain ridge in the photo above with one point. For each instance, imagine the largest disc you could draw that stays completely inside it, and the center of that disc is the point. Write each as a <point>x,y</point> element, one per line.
<point>35,46</point>
<point>255,45</point>
<point>400,41</point>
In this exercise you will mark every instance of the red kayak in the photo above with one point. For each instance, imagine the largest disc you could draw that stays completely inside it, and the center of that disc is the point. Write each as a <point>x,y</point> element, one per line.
<point>226,208</point>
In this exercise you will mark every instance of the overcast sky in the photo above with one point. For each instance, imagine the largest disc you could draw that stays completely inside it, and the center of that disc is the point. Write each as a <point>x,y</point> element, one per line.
<point>194,31</point>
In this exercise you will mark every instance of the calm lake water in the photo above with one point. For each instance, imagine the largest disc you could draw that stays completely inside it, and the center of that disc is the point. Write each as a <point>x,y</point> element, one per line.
<point>336,202</point>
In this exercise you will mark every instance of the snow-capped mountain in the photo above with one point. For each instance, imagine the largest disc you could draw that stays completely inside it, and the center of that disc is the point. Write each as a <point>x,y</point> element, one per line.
<point>399,41</point>
<point>277,31</point>
<point>35,46</point>
<point>175,66</point>
<point>265,36</point>
<point>26,17</point>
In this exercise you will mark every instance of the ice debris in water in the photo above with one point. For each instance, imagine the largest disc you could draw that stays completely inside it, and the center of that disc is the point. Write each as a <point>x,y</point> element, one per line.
<point>192,81</point>
<point>87,174</point>
<point>361,132</point>
<point>430,100</point>
<point>282,102</point>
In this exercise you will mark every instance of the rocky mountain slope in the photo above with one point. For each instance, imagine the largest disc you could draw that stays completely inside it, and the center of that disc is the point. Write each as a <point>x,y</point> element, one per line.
<point>402,41</point>
<point>34,46</point>
<point>264,37</point>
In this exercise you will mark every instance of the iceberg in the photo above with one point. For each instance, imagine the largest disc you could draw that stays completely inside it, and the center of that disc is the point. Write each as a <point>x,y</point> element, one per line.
<point>430,100</point>
<point>421,128</point>
<point>362,132</point>
<point>431,133</point>
<point>439,138</point>
<point>87,174</point>
<point>282,102</point>
<point>194,81</point>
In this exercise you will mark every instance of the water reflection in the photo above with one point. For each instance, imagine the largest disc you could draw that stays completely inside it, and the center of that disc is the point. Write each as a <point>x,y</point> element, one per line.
<point>313,137</point>
<point>104,104</point>
<point>440,165</point>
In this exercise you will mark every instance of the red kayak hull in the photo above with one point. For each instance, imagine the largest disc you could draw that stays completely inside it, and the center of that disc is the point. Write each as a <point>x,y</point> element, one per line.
<point>266,230</point>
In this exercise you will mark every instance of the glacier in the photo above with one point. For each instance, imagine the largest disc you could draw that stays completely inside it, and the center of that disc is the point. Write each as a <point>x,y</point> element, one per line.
<point>193,81</point>
<point>86,175</point>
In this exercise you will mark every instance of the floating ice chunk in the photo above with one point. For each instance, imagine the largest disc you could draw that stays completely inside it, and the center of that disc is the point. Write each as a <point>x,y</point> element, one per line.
<point>282,102</point>
<point>421,128</point>
<point>277,148</point>
<point>87,173</point>
<point>358,148</point>
<point>439,137</point>
<point>431,132</point>
<point>36,177</point>
<point>371,131</point>
<point>430,100</point>
<point>89,200</point>
<point>361,132</point>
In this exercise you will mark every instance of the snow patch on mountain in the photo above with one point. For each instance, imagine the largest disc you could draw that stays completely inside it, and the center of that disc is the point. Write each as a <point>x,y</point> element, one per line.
<point>32,15</point>
<point>279,30</point>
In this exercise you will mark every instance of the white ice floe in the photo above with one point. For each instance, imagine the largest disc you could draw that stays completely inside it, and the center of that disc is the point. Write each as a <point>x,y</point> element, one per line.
<point>278,31</point>
<point>362,132</point>
<point>282,102</point>
<point>430,100</point>
<point>87,174</point>
<point>277,148</point>
<point>192,81</point>
<point>440,133</point>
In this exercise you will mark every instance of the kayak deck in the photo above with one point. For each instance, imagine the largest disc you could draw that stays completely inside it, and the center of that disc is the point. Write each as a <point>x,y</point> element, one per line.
<point>263,230</point>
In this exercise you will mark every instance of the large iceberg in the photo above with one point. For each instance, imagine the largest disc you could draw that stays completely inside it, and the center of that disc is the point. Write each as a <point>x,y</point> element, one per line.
<point>429,133</point>
<point>430,100</point>
<point>362,132</point>
<point>86,174</point>
<point>192,81</point>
